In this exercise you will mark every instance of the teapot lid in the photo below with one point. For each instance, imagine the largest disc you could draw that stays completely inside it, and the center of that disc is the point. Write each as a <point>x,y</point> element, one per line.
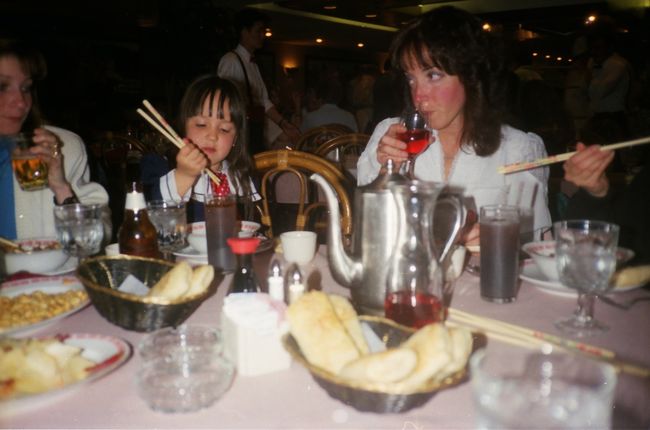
<point>388,176</point>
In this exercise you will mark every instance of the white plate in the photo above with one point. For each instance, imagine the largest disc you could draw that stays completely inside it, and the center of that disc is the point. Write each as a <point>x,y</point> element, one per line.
<point>531,273</point>
<point>190,253</point>
<point>49,285</point>
<point>107,352</point>
<point>70,265</point>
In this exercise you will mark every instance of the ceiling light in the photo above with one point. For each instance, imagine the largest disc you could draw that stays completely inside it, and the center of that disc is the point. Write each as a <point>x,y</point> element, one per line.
<point>330,7</point>
<point>535,54</point>
<point>268,33</point>
<point>360,45</point>
<point>371,15</point>
<point>559,58</point>
<point>547,56</point>
<point>487,27</point>
<point>319,40</point>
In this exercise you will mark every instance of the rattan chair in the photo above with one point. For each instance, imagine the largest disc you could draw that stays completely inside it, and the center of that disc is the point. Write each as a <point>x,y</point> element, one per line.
<point>344,151</point>
<point>269,164</point>
<point>312,139</point>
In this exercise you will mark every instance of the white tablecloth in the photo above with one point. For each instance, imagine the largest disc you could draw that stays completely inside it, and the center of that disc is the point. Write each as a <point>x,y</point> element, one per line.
<point>291,398</point>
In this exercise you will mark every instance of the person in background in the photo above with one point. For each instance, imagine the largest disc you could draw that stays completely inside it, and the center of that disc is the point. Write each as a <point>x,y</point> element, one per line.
<point>29,213</point>
<point>239,66</point>
<point>212,117</point>
<point>595,199</point>
<point>456,79</point>
<point>325,109</point>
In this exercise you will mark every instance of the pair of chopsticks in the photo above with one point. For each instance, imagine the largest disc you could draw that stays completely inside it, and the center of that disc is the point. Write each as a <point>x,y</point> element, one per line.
<point>168,132</point>
<point>527,165</point>
<point>528,338</point>
<point>8,244</point>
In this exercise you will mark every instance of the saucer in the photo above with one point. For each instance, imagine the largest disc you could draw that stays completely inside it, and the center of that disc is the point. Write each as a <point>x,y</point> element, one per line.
<point>531,273</point>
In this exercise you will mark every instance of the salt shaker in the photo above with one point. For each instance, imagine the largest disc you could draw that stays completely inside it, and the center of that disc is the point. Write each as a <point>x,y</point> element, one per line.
<point>295,285</point>
<point>275,279</point>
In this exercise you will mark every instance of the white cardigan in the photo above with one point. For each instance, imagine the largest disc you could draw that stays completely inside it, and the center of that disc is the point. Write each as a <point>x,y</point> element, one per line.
<point>477,176</point>
<point>34,215</point>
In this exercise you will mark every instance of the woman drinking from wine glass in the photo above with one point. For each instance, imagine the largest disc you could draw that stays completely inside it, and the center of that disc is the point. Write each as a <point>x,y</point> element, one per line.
<point>456,79</point>
<point>28,213</point>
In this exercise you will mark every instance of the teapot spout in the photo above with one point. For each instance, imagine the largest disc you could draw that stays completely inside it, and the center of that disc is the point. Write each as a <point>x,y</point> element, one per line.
<point>345,270</point>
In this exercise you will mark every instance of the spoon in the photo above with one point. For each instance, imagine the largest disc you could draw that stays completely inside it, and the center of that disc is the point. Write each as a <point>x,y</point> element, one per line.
<point>8,245</point>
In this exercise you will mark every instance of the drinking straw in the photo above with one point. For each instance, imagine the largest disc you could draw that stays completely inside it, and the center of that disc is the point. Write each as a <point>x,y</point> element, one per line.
<point>527,165</point>
<point>168,132</point>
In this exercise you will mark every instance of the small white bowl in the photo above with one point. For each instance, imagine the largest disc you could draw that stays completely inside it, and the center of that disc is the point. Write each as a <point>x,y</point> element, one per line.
<point>38,255</point>
<point>543,254</point>
<point>248,228</point>
<point>198,241</point>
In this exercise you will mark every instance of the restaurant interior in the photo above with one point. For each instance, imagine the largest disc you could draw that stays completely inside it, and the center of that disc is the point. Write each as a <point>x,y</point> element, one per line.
<point>105,58</point>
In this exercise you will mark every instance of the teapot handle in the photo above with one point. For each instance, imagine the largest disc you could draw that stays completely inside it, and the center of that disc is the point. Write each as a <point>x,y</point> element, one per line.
<point>457,203</point>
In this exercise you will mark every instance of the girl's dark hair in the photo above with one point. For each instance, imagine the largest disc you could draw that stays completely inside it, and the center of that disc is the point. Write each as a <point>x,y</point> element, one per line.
<point>206,87</point>
<point>454,41</point>
<point>33,65</point>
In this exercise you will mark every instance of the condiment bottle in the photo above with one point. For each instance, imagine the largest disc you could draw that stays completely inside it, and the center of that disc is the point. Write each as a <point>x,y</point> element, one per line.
<point>137,235</point>
<point>275,279</point>
<point>295,284</point>
<point>244,279</point>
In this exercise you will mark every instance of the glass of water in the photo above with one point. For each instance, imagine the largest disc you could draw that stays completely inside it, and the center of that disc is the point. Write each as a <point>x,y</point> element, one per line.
<point>516,389</point>
<point>170,219</point>
<point>585,254</point>
<point>79,228</point>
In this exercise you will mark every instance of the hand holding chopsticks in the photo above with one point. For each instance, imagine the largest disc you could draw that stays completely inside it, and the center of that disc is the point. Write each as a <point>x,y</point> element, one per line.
<point>527,165</point>
<point>160,124</point>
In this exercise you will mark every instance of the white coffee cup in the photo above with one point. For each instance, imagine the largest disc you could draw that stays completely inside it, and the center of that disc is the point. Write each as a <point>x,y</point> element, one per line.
<point>298,246</point>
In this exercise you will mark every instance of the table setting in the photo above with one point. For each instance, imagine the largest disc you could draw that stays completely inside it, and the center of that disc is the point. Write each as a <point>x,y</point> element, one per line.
<point>153,343</point>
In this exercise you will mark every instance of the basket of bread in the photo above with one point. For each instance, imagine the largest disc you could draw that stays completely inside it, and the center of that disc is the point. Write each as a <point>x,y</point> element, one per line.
<point>371,363</point>
<point>145,294</point>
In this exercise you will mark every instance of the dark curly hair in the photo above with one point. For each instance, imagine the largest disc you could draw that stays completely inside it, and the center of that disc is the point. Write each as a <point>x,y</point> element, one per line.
<point>33,65</point>
<point>454,41</point>
<point>206,87</point>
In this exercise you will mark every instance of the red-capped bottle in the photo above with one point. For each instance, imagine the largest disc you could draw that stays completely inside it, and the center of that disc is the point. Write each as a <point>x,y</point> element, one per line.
<point>137,235</point>
<point>244,279</point>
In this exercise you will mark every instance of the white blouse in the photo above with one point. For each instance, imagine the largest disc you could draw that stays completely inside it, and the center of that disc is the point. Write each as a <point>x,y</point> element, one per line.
<point>478,176</point>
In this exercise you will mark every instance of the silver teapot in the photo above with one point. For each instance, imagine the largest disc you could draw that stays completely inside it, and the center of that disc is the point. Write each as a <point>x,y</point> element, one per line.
<point>376,227</point>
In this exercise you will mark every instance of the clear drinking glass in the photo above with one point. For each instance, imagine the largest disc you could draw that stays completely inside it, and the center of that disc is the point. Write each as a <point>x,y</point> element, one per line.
<point>586,260</point>
<point>79,228</point>
<point>516,389</point>
<point>170,219</point>
<point>31,172</point>
<point>417,138</point>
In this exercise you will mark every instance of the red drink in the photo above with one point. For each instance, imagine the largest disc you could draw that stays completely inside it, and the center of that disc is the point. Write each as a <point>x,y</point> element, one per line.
<point>413,309</point>
<point>416,140</point>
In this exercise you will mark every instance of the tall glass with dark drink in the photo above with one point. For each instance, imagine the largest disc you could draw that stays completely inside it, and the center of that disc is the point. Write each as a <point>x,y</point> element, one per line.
<point>499,233</point>
<point>221,224</point>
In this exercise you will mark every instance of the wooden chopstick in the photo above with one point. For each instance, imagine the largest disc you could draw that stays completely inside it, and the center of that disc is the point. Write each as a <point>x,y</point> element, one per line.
<point>168,132</point>
<point>8,243</point>
<point>527,165</point>
<point>523,336</point>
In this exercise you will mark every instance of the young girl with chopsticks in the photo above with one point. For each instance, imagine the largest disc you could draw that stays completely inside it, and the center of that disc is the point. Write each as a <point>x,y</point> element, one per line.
<point>212,120</point>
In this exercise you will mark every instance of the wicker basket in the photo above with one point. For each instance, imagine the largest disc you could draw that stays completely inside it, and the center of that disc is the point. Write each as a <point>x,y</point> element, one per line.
<point>102,276</point>
<point>378,398</point>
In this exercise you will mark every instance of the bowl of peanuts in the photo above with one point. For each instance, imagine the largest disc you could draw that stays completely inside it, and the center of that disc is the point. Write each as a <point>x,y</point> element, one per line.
<point>36,255</point>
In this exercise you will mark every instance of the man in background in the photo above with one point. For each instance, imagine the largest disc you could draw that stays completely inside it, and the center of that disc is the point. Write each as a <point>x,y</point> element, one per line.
<point>239,66</point>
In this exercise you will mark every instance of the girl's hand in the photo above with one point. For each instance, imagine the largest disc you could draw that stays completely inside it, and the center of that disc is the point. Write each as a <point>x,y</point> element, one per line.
<point>190,161</point>
<point>586,169</point>
<point>48,148</point>
<point>390,146</point>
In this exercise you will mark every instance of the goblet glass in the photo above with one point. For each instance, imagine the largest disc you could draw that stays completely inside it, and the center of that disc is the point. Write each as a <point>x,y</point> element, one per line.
<point>170,220</point>
<point>586,260</point>
<point>79,228</point>
<point>417,138</point>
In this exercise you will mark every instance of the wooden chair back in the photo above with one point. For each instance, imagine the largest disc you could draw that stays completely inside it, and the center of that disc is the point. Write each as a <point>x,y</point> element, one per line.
<point>311,139</point>
<point>268,164</point>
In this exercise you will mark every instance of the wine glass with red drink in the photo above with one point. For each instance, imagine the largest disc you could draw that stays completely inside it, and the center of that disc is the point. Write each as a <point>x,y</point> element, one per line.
<point>417,138</point>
